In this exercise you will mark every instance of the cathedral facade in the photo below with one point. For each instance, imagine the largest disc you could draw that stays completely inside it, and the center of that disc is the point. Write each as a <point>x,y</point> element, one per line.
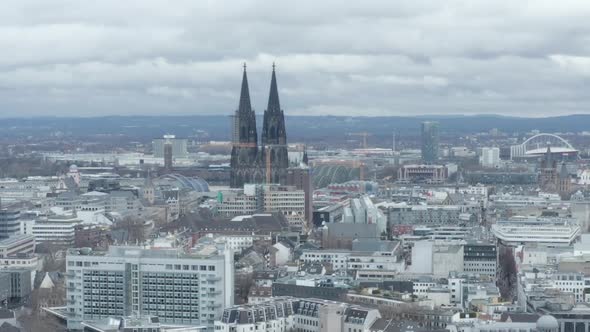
<point>251,162</point>
<point>553,178</point>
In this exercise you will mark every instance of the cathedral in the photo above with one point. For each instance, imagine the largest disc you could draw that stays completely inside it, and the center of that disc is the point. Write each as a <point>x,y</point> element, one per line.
<point>251,162</point>
<point>551,178</point>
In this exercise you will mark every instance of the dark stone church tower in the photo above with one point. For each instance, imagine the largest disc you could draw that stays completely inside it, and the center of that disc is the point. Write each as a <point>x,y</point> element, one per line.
<point>275,159</point>
<point>245,156</point>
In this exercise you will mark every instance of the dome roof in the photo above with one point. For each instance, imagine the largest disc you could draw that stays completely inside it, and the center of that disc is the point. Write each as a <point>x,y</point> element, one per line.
<point>73,168</point>
<point>547,322</point>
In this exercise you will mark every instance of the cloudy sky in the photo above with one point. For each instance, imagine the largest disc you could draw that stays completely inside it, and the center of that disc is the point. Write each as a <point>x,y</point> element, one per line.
<point>90,58</point>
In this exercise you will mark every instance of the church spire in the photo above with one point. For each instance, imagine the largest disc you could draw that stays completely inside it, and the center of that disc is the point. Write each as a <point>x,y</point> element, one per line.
<point>245,105</point>
<point>244,156</point>
<point>274,136</point>
<point>548,158</point>
<point>273,98</point>
<point>563,173</point>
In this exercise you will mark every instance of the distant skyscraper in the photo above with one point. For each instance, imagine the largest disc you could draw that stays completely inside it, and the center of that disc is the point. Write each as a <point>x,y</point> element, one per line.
<point>429,142</point>
<point>179,146</point>
<point>490,157</point>
<point>274,137</point>
<point>168,153</point>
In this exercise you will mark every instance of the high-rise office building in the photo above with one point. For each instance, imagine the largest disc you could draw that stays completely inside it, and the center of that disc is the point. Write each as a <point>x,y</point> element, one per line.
<point>490,157</point>
<point>179,146</point>
<point>430,142</point>
<point>179,287</point>
<point>168,151</point>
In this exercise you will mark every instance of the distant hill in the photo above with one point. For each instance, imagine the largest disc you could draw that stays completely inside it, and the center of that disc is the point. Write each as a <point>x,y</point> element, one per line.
<point>300,128</point>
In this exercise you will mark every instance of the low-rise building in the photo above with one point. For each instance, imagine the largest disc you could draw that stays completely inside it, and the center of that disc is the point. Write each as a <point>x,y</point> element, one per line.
<point>286,314</point>
<point>546,231</point>
<point>423,173</point>
<point>365,255</point>
<point>17,244</point>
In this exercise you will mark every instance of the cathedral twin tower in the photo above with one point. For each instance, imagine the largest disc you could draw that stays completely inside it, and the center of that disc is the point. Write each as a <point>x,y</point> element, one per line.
<point>249,162</point>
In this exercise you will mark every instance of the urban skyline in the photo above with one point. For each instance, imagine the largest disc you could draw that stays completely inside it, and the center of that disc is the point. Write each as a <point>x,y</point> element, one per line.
<point>409,169</point>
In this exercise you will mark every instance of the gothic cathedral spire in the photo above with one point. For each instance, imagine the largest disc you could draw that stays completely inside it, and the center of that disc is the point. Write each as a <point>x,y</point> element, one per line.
<point>274,137</point>
<point>245,166</point>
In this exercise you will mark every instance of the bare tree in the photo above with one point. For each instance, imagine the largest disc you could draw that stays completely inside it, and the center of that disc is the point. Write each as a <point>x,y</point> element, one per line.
<point>398,312</point>
<point>507,273</point>
<point>53,256</point>
<point>134,228</point>
<point>243,283</point>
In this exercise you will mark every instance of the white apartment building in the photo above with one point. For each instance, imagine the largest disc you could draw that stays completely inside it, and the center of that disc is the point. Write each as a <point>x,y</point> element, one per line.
<point>18,251</point>
<point>33,189</point>
<point>374,261</point>
<point>338,258</point>
<point>123,202</point>
<point>17,244</point>
<point>294,314</point>
<point>180,288</point>
<point>574,283</point>
<point>285,199</point>
<point>58,229</point>
<point>237,202</point>
<point>361,258</point>
<point>25,261</point>
<point>423,285</point>
<point>469,324</point>
<point>479,190</point>
<point>584,177</point>
<point>255,198</point>
<point>274,315</point>
<point>366,275</point>
<point>236,243</point>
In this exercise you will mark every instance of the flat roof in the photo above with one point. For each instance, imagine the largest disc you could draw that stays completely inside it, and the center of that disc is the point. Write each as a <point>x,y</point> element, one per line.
<point>15,239</point>
<point>206,251</point>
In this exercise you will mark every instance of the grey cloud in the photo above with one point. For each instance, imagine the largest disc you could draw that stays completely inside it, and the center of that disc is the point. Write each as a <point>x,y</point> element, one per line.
<point>67,57</point>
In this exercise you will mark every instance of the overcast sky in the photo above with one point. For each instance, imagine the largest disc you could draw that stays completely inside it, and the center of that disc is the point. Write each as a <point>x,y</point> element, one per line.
<point>90,58</point>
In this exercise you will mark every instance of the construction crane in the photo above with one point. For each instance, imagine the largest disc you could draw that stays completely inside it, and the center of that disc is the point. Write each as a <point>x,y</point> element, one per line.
<point>364,135</point>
